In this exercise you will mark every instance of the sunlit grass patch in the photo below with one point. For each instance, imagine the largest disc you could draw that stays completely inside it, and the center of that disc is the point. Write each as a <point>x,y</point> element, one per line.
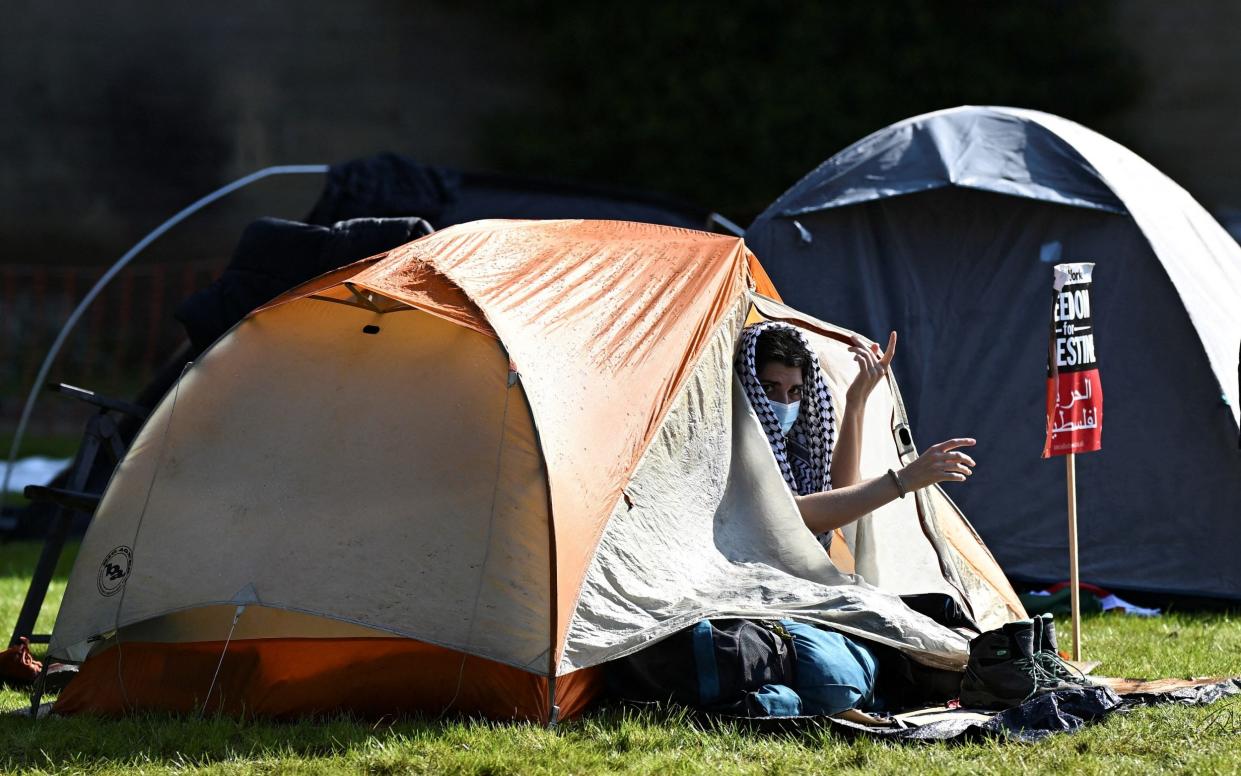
<point>624,740</point>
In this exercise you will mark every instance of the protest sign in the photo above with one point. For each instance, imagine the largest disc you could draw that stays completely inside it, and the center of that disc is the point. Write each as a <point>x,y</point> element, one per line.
<point>1074,391</point>
<point>1074,398</point>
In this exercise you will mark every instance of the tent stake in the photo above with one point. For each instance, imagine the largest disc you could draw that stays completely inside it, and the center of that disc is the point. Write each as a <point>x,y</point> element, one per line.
<point>553,711</point>
<point>1075,592</point>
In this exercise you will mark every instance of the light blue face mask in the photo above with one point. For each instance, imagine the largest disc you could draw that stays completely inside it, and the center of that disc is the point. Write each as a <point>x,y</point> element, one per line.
<point>786,414</point>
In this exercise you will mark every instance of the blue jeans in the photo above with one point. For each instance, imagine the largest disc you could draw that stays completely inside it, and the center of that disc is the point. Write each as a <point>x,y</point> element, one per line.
<point>834,672</point>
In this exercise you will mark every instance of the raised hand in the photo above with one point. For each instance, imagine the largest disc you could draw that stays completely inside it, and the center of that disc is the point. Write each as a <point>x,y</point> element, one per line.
<point>872,366</point>
<point>941,462</point>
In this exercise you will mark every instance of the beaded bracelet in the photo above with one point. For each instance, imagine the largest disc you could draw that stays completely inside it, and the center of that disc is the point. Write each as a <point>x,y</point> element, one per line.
<point>896,480</point>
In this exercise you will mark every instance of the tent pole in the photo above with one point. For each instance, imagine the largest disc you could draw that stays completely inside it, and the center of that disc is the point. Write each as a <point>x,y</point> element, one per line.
<point>120,264</point>
<point>1075,592</point>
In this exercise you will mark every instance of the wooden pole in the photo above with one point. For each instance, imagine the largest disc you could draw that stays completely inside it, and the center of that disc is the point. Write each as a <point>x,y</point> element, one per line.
<point>1074,587</point>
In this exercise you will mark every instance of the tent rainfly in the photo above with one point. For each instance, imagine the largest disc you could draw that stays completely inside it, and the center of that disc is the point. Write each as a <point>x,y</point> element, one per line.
<point>945,227</point>
<point>465,473</point>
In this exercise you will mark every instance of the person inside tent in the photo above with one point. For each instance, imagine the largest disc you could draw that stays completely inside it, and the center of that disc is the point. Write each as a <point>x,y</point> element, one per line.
<point>835,674</point>
<point>831,674</point>
<point>818,456</point>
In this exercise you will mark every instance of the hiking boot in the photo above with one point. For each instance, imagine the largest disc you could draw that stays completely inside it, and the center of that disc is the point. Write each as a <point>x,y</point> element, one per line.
<point>1047,654</point>
<point>1001,671</point>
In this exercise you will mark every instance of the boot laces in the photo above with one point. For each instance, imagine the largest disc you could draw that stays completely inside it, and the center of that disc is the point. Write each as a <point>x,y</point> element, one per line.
<point>1030,668</point>
<point>1057,670</point>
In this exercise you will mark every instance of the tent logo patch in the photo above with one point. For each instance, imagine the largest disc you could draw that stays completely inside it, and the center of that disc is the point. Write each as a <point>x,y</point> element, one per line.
<point>114,571</point>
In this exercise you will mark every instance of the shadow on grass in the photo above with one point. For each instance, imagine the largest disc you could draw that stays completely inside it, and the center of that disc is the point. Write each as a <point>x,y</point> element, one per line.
<point>180,741</point>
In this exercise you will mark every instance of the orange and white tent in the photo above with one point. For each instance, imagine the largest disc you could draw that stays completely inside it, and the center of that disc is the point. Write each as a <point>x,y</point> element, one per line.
<point>464,474</point>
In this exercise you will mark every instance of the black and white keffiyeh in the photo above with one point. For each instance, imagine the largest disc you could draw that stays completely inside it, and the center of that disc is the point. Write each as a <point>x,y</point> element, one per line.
<point>805,456</point>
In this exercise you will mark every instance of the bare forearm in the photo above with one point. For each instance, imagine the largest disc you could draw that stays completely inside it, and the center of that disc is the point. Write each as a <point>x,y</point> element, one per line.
<point>838,507</point>
<point>847,455</point>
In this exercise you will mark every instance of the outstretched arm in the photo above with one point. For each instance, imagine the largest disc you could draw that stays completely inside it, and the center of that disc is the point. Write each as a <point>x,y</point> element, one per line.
<point>838,507</point>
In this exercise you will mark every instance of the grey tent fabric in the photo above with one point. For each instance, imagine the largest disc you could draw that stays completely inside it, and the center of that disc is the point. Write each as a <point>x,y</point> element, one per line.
<point>985,150</point>
<point>945,228</point>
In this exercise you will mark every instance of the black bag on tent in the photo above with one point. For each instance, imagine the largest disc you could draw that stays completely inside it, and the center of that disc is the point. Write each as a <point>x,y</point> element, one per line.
<point>943,609</point>
<point>274,256</point>
<point>717,665</point>
<point>748,668</point>
<point>388,185</point>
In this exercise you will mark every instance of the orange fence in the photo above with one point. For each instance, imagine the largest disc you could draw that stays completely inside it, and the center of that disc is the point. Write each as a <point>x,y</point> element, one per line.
<point>124,337</point>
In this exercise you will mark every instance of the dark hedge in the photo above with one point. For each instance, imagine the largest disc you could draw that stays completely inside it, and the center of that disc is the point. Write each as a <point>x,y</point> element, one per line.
<point>729,104</point>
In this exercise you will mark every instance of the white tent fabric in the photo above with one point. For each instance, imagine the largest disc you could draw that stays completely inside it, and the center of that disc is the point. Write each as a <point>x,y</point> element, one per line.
<point>708,528</point>
<point>277,465</point>
<point>921,544</point>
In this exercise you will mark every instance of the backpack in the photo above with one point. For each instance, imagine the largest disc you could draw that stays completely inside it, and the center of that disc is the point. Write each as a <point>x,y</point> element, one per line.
<point>727,666</point>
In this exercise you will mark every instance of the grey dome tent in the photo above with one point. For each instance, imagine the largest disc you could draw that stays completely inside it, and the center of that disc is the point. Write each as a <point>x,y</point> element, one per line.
<point>944,227</point>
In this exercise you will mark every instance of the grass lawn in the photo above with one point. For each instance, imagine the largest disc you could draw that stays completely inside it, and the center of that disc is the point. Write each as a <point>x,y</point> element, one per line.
<point>52,446</point>
<point>1164,739</point>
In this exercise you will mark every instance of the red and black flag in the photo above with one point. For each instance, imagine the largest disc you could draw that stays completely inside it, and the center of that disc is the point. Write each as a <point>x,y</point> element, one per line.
<point>1074,391</point>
